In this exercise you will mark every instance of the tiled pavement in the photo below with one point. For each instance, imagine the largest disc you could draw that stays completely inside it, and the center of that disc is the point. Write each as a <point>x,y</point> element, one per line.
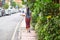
<point>26,35</point>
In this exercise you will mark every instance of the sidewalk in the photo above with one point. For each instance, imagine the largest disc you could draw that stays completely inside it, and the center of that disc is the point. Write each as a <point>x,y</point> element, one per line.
<point>25,35</point>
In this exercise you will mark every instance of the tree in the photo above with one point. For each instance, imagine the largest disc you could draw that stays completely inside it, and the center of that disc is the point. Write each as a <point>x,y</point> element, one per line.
<point>30,3</point>
<point>5,6</point>
<point>47,24</point>
<point>13,4</point>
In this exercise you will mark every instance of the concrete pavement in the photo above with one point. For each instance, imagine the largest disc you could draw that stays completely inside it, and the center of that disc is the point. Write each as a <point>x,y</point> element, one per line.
<point>24,35</point>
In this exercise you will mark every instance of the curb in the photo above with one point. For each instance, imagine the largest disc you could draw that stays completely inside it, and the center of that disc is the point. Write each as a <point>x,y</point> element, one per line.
<point>16,29</point>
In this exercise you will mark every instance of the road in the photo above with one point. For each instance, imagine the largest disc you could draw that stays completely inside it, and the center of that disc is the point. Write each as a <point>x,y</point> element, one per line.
<point>8,25</point>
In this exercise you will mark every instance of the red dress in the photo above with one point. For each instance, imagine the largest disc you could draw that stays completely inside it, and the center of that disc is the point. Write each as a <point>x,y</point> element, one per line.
<point>27,23</point>
<point>28,17</point>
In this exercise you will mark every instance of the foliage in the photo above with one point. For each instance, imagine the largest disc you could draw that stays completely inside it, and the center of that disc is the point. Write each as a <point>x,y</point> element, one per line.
<point>13,4</point>
<point>5,6</point>
<point>47,7</point>
<point>49,30</point>
<point>30,3</point>
<point>46,19</point>
<point>19,6</point>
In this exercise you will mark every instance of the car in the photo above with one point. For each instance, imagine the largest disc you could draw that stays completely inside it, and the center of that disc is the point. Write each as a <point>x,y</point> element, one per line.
<point>16,10</point>
<point>0,12</point>
<point>22,11</point>
<point>3,12</point>
<point>7,12</point>
<point>10,11</point>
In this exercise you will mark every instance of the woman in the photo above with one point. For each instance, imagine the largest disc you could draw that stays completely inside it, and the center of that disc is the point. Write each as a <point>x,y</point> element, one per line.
<point>28,19</point>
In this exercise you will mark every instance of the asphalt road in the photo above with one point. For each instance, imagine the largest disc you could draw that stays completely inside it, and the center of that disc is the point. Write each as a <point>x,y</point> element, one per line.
<point>8,25</point>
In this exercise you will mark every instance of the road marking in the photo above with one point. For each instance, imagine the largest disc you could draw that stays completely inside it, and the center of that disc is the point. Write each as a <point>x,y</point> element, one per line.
<point>19,36</point>
<point>20,32</point>
<point>16,30</point>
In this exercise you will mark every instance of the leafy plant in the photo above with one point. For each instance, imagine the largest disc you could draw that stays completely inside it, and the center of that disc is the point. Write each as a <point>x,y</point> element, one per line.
<point>5,6</point>
<point>13,4</point>
<point>45,19</point>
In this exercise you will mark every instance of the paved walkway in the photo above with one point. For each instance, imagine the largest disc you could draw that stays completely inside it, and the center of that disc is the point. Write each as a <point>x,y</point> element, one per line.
<point>24,34</point>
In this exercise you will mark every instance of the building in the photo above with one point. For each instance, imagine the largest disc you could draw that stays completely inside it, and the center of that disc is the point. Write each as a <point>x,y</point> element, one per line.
<point>18,2</point>
<point>3,2</point>
<point>6,1</point>
<point>0,3</point>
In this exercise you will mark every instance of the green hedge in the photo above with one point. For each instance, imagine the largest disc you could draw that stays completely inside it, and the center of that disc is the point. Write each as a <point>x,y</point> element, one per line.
<point>46,19</point>
<point>49,30</point>
<point>47,24</point>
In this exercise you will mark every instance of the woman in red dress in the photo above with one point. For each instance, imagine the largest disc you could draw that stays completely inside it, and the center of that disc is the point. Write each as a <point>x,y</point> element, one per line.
<point>28,19</point>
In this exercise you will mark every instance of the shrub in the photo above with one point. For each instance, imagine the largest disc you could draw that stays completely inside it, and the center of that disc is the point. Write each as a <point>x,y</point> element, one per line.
<point>13,4</point>
<point>50,30</point>
<point>5,6</point>
<point>47,24</point>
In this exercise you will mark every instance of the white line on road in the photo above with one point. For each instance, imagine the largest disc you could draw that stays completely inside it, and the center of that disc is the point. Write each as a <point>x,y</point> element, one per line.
<point>15,30</point>
<point>20,29</point>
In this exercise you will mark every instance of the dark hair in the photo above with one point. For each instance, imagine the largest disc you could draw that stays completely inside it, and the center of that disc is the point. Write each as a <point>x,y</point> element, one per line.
<point>27,10</point>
